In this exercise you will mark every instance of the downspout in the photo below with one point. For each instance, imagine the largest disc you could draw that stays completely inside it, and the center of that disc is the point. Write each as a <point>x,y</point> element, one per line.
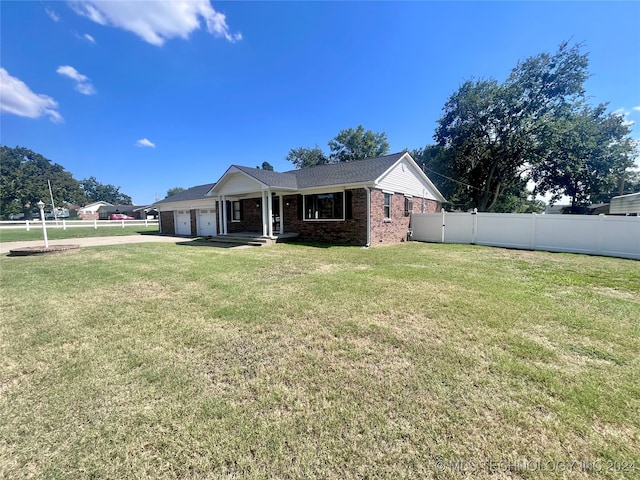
<point>368,217</point>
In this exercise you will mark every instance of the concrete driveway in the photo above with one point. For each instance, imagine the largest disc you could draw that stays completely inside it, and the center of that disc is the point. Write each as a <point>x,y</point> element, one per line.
<point>94,241</point>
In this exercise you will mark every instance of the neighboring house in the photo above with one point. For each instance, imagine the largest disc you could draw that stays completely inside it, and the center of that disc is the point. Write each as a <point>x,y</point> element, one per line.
<point>146,212</point>
<point>363,202</point>
<point>190,212</point>
<point>135,211</point>
<point>593,209</point>
<point>626,204</point>
<point>90,211</point>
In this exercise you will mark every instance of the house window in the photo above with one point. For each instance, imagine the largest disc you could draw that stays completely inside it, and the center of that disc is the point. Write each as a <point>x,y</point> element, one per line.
<point>387,205</point>
<point>236,213</point>
<point>408,206</point>
<point>324,206</point>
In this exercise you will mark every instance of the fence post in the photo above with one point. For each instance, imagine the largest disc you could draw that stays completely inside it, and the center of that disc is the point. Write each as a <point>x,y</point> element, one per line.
<point>95,224</point>
<point>532,241</point>
<point>146,221</point>
<point>122,223</point>
<point>601,227</point>
<point>27,223</point>
<point>474,226</point>
<point>443,224</point>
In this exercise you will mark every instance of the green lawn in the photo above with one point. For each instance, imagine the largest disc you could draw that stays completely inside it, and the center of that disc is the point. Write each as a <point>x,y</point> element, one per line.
<point>292,361</point>
<point>74,232</point>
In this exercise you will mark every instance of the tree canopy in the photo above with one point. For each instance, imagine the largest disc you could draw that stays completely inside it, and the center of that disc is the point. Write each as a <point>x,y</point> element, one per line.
<point>266,166</point>
<point>534,126</point>
<point>348,145</point>
<point>96,191</point>
<point>591,153</point>
<point>172,191</point>
<point>303,157</point>
<point>357,144</point>
<point>24,177</point>
<point>23,182</point>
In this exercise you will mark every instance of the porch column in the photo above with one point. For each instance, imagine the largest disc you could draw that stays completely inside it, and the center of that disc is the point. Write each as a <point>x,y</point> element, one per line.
<point>218,216</point>
<point>224,215</point>
<point>270,213</point>
<point>281,198</point>
<point>265,221</point>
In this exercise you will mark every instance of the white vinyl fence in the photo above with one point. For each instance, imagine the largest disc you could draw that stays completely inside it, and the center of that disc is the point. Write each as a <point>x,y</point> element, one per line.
<point>64,224</point>
<point>614,236</point>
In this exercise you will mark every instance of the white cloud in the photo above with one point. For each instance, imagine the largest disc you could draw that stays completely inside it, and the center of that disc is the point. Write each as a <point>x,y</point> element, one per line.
<point>83,85</point>
<point>90,38</point>
<point>637,109</point>
<point>143,142</point>
<point>17,98</point>
<point>52,15</point>
<point>158,21</point>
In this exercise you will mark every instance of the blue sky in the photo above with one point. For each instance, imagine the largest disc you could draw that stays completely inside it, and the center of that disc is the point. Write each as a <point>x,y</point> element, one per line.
<point>148,95</point>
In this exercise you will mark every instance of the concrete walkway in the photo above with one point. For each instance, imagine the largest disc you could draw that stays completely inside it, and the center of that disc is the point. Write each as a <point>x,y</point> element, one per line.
<point>5,247</point>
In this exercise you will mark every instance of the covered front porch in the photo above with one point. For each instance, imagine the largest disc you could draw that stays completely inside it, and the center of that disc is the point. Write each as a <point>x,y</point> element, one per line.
<point>254,202</point>
<point>248,215</point>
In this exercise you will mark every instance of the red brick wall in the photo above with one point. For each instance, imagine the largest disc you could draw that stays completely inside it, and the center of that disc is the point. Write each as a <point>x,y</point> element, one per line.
<point>352,231</point>
<point>425,205</point>
<point>395,229</point>
<point>167,223</point>
<point>392,230</point>
<point>194,223</point>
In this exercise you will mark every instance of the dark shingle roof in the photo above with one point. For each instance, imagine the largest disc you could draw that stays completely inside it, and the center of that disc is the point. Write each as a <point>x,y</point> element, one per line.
<point>193,193</point>
<point>358,171</point>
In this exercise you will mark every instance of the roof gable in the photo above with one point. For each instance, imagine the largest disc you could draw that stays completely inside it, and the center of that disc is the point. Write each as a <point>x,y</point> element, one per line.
<point>407,177</point>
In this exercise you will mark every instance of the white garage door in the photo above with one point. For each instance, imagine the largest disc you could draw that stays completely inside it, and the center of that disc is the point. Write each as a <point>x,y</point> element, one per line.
<point>183,222</point>
<point>206,222</point>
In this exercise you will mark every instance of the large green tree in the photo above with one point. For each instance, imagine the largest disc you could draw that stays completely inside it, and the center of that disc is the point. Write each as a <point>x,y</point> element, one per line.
<point>348,145</point>
<point>96,191</point>
<point>591,152</point>
<point>173,191</point>
<point>435,162</point>
<point>497,133</point>
<point>303,157</point>
<point>24,177</point>
<point>356,144</point>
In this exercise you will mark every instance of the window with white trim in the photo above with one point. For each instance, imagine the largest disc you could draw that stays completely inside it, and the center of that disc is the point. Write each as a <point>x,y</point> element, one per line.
<point>387,205</point>
<point>236,213</point>
<point>408,206</point>
<point>324,206</point>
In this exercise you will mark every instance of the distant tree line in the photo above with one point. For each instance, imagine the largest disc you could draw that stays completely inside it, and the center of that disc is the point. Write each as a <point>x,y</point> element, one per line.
<point>24,177</point>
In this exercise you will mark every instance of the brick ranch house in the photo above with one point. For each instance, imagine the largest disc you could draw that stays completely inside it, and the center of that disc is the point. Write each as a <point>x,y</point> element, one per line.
<point>364,202</point>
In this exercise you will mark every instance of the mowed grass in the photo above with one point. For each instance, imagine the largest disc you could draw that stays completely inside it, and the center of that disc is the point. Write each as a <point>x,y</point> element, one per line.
<point>57,233</point>
<point>293,361</point>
